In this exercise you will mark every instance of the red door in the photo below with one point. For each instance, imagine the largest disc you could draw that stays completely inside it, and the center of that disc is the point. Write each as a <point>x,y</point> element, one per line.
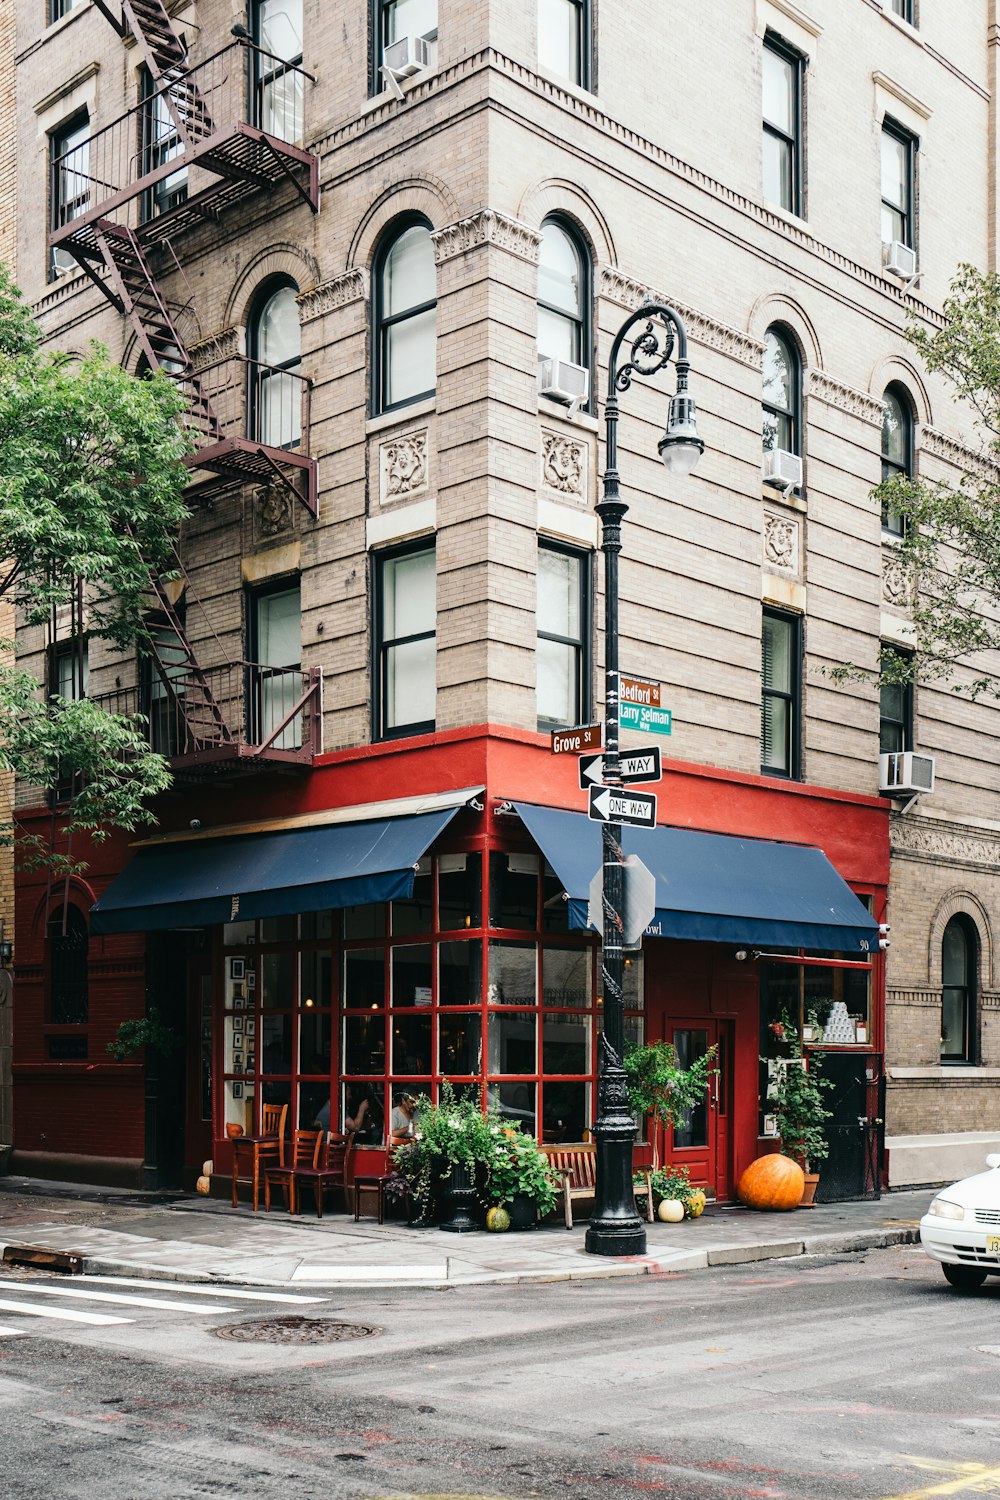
<point>702,1142</point>
<point>198,1112</point>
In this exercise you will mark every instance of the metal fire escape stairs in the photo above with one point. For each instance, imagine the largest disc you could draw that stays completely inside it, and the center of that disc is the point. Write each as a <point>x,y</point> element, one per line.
<point>186,684</point>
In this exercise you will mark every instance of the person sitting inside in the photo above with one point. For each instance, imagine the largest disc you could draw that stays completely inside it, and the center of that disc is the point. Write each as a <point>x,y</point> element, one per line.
<point>362,1116</point>
<point>401,1119</point>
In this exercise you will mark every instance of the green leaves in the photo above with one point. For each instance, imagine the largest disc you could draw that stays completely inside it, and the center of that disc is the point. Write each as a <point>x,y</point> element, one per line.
<point>658,1086</point>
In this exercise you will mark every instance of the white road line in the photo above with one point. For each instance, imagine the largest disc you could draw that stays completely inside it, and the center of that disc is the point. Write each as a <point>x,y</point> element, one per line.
<point>198,1290</point>
<point>85,1295</point>
<point>10,1333</point>
<point>64,1314</point>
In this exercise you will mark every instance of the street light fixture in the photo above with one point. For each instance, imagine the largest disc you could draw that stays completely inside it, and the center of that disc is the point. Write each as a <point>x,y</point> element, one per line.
<point>615,1227</point>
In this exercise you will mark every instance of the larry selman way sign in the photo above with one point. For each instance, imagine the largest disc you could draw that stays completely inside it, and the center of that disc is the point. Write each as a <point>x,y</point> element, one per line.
<point>609,804</point>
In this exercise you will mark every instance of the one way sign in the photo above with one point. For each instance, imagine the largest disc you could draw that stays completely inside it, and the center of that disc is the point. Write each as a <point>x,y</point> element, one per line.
<point>636,766</point>
<point>612,804</point>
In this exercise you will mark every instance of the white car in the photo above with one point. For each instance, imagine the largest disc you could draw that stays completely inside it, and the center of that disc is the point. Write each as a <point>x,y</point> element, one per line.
<point>961,1228</point>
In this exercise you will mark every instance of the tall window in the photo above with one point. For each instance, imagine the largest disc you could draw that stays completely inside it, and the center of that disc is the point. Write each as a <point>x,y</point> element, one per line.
<point>895,704</point>
<point>899,152</point>
<point>959,954</point>
<point>69,154</point>
<point>782,385</point>
<point>780,693</point>
<point>405,300</point>
<point>563,656</point>
<point>161,144</point>
<point>563,295</point>
<point>564,39</point>
<point>783,70</point>
<point>277,79</point>
<point>405,627</point>
<point>392,20</point>
<point>897,450</point>
<point>275,386</point>
<point>60,8</point>
<point>903,9</point>
<point>276,652</point>
<point>67,956</point>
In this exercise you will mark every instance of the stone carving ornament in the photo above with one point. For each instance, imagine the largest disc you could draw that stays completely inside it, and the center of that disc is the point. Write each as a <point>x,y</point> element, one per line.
<point>781,542</point>
<point>404,465</point>
<point>274,510</point>
<point>895,585</point>
<point>563,464</point>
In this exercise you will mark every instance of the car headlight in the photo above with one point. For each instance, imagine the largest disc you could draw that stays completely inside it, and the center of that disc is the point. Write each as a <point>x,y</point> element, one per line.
<point>943,1208</point>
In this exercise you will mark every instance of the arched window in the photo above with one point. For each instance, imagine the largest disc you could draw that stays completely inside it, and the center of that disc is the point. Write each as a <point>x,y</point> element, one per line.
<point>959,964</point>
<point>897,449</point>
<point>274,387</point>
<point>68,941</point>
<point>405,303</point>
<point>781,392</point>
<point>563,295</point>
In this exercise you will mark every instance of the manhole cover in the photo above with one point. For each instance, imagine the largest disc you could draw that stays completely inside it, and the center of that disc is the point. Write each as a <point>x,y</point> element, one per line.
<point>295,1330</point>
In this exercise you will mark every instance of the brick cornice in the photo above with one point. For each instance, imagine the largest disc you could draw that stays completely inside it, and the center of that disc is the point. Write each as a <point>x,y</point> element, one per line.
<point>616,286</point>
<point>350,286</point>
<point>486,228</point>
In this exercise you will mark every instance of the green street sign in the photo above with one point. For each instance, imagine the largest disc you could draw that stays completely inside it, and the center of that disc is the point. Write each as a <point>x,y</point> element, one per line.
<point>645,718</point>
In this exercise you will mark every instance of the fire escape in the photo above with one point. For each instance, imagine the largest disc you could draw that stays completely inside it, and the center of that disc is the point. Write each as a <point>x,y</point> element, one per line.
<point>203,139</point>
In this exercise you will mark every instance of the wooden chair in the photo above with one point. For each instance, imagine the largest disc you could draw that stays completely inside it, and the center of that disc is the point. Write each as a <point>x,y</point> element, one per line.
<point>304,1154</point>
<point>254,1152</point>
<point>329,1172</point>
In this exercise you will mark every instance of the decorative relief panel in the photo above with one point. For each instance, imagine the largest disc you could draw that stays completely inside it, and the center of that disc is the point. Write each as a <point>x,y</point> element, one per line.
<point>351,286</point>
<point>486,228</point>
<point>782,542</point>
<point>403,466</point>
<point>895,582</point>
<point>618,287</point>
<point>835,393</point>
<point>922,839</point>
<point>565,466</point>
<point>272,509</point>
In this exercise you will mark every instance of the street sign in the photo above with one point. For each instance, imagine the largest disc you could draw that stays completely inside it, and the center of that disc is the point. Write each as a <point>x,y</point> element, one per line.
<point>645,718</point>
<point>638,690</point>
<point>638,901</point>
<point>576,741</point>
<point>635,765</point>
<point>612,804</point>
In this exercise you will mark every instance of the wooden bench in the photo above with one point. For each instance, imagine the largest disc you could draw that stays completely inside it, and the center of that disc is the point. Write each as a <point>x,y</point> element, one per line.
<point>575,1164</point>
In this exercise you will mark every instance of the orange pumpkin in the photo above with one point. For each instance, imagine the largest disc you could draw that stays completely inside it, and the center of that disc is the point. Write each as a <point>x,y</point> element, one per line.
<point>774,1183</point>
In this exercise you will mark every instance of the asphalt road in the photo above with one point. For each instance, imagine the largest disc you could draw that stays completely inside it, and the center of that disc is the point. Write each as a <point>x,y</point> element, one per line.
<point>801,1380</point>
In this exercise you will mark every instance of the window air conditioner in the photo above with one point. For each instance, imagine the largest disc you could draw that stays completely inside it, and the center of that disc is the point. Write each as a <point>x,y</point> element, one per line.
<point>408,55</point>
<point>900,260</point>
<point>783,469</point>
<point>561,380</point>
<point>903,774</point>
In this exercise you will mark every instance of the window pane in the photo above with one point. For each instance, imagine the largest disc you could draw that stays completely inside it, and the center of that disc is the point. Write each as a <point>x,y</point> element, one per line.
<point>409,603</point>
<point>408,275</point>
<point>512,974</point>
<point>412,969</point>
<point>364,1044</point>
<point>779,91</point>
<point>895,170</point>
<point>566,1044</point>
<point>364,982</point>
<point>558,336</point>
<point>779,373</point>
<point>410,18</point>
<point>411,1044</point>
<point>415,913</point>
<point>777,653</point>
<point>953,1023</point>
<point>410,684</point>
<point>280,28</point>
<point>895,430</point>
<point>278,332</point>
<point>512,1042</point>
<point>461,1044</point>
<point>314,1042</point>
<point>777,180</point>
<point>560,280</point>
<point>460,891</point>
<point>559,593</point>
<point>954,955</point>
<point>278,980</point>
<point>276,1044</point>
<point>410,358</point>
<point>693,1130</point>
<point>556,682</point>
<point>460,973</point>
<point>513,890</point>
<point>279,632</point>
<point>365,921</point>
<point>566,979</point>
<point>315,982</point>
<point>566,1111</point>
<point>774,738</point>
<point>516,1101</point>
<point>559,38</point>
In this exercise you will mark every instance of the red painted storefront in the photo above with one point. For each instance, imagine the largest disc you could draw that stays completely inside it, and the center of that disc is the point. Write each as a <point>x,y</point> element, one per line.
<point>82,1116</point>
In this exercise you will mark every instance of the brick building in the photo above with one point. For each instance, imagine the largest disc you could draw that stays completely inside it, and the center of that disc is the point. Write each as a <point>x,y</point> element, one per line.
<point>382,244</point>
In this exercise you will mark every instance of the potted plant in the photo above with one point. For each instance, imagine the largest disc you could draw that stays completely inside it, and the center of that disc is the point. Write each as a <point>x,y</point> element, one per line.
<point>796,1099</point>
<point>521,1179</point>
<point>678,1199</point>
<point>147,1031</point>
<point>660,1087</point>
<point>450,1157</point>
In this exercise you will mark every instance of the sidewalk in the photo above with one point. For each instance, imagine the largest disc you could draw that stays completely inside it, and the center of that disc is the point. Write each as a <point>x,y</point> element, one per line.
<point>184,1238</point>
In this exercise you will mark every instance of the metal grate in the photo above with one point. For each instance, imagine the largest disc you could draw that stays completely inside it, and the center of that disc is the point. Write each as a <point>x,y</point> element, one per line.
<point>294,1330</point>
<point>988,1215</point>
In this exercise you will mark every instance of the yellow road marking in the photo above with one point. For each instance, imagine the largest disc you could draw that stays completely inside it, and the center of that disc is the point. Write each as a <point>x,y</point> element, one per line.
<point>970,1477</point>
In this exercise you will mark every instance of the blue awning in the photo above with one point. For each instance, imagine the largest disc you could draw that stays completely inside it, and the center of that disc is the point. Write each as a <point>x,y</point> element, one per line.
<point>713,887</point>
<point>199,883</point>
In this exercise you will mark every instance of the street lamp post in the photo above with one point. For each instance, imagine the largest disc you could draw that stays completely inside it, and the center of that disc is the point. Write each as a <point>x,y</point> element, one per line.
<point>615,1228</point>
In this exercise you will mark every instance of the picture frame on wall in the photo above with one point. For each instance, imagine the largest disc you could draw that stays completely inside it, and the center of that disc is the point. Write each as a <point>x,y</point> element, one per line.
<point>239,1003</point>
<point>237,1091</point>
<point>237,1062</point>
<point>237,968</point>
<point>251,1025</point>
<point>251,979</point>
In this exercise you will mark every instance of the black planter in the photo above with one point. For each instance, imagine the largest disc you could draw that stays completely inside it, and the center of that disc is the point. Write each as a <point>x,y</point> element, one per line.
<point>459,1199</point>
<point>522,1210</point>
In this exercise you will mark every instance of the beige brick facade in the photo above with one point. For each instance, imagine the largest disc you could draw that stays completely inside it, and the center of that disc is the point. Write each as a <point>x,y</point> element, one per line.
<point>660,169</point>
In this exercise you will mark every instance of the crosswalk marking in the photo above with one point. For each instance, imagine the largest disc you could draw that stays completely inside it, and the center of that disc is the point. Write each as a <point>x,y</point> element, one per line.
<point>67,1314</point>
<point>10,1333</point>
<point>87,1295</point>
<point>197,1290</point>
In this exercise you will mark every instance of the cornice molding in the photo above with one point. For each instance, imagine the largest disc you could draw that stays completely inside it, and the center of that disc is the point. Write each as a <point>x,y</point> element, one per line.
<point>487,227</point>
<point>836,393</point>
<point>350,286</point>
<point>926,839</point>
<point>218,346</point>
<point>616,286</point>
<point>961,455</point>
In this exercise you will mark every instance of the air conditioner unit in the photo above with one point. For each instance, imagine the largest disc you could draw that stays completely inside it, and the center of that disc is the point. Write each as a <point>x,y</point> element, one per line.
<point>783,469</point>
<point>900,260</point>
<point>561,380</point>
<point>408,55</point>
<point>903,774</point>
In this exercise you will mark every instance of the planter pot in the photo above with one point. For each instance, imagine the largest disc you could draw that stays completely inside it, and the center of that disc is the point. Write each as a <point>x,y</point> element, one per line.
<point>522,1210</point>
<point>812,1182</point>
<point>460,1197</point>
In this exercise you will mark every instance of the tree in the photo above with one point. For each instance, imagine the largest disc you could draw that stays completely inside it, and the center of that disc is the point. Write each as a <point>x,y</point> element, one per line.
<point>659,1086</point>
<point>91,496</point>
<point>950,549</point>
